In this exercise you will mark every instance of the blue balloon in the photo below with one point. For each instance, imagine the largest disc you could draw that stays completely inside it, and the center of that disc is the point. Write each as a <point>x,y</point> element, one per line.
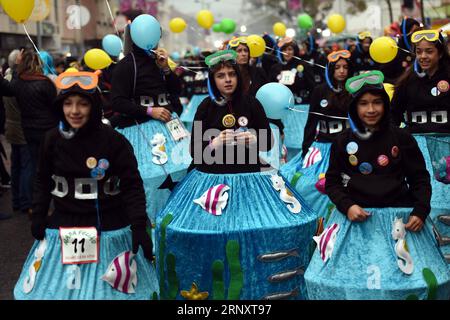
<point>175,55</point>
<point>112,44</point>
<point>196,51</point>
<point>145,31</point>
<point>276,98</point>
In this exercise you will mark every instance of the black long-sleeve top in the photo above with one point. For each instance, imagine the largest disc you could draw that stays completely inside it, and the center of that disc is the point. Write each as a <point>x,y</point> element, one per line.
<point>427,108</point>
<point>153,88</point>
<point>210,116</point>
<point>327,102</point>
<point>258,78</point>
<point>362,61</point>
<point>304,79</point>
<point>398,179</point>
<point>63,175</point>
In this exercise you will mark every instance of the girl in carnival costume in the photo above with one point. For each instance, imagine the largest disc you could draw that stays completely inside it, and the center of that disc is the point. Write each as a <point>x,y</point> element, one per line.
<point>380,244</point>
<point>86,249</point>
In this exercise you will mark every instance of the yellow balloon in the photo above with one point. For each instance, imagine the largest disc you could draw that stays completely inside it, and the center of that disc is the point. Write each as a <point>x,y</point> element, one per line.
<point>256,45</point>
<point>383,49</point>
<point>41,10</point>
<point>389,88</point>
<point>72,69</point>
<point>97,59</point>
<point>172,64</point>
<point>18,10</point>
<point>279,29</point>
<point>336,23</point>
<point>205,19</point>
<point>177,25</point>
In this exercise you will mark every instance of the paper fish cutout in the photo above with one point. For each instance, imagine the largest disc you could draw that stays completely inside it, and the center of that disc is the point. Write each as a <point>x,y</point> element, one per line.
<point>214,200</point>
<point>325,242</point>
<point>313,156</point>
<point>122,273</point>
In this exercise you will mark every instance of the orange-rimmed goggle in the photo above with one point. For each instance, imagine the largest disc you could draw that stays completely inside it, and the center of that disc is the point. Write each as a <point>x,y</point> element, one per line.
<point>335,56</point>
<point>85,80</point>
<point>364,34</point>
<point>428,35</point>
<point>237,41</point>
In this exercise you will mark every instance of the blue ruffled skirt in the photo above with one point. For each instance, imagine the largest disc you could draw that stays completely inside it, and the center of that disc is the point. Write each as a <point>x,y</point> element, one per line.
<point>363,263</point>
<point>294,126</point>
<point>433,148</point>
<point>188,114</point>
<point>255,249</point>
<point>304,180</point>
<point>55,281</point>
<point>153,175</point>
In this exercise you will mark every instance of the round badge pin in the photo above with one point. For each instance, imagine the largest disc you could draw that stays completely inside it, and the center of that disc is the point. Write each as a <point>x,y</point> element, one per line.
<point>103,164</point>
<point>324,103</point>
<point>353,160</point>
<point>435,92</point>
<point>228,121</point>
<point>91,162</point>
<point>383,160</point>
<point>404,64</point>
<point>97,173</point>
<point>443,86</point>
<point>279,77</point>
<point>408,58</point>
<point>358,60</point>
<point>300,68</point>
<point>352,147</point>
<point>243,121</point>
<point>395,151</point>
<point>365,168</point>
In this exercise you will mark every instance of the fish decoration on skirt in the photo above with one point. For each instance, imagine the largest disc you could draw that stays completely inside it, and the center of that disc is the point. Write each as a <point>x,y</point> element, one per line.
<point>404,261</point>
<point>281,295</point>
<point>39,252</point>
<point>286,196</point>
<point>313,156</point>
<point>159,149</point>
<point>286,275</point>
<point>122,273</point>
<point>214,200</point>
<point>277,256</point>
<point>325,242</point>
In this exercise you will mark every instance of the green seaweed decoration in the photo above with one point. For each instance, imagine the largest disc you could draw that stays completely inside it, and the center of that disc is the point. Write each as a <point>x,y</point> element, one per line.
<point>236,276</point>
<point>431,282</point>
<point>155,296</point>
<point>218,285</point>
<point>295,179</point>
<point>330,208</point>
<point>162,250</point>
<point>174,283</point>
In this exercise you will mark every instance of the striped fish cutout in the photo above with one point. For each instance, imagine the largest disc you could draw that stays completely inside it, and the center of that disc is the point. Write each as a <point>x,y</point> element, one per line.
<point>314,155</point>
<point>214,200</point>
<point>122,273</point>
<point>325,242</point>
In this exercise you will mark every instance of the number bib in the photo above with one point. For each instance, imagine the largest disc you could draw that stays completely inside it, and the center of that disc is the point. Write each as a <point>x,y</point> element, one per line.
<point>79,245</point>
<point>177,129</point>
<point>287,77</point>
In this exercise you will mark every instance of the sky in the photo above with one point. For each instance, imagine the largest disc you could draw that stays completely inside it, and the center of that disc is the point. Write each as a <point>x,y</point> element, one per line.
<point>220,9</point>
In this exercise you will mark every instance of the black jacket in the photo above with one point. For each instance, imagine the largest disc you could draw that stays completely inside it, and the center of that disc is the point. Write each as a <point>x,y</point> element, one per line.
<point>394,69</point>
<point>209,116</point>
<point>401,181</point>
<point>258,78</point>
<point>362,61</point>
<point>153,88</point>
<point>63,163</point>
<point>304,79</point>
<point>325,101</point>
<point>427,109</point>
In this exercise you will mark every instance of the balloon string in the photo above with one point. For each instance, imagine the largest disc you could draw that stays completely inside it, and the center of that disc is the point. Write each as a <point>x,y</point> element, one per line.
<point>196,31</point>
<point>300,59</point>
<point>37,50</point>
<point>407,51</point>
<point>318,113</point>
<point>113,22</point>
<point>185,68</point>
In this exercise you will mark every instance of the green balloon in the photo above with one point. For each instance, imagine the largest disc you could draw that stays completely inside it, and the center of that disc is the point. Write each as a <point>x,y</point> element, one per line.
<point>228,25</point>
<point>217,27</point>
<point>304,21</point>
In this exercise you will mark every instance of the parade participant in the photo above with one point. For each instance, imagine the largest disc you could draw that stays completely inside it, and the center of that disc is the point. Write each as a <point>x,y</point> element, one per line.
<point>314,55</point>
<point>229,208</point>
<point>253,77</point>
<point>326,120</point>
<point>145,93</point>
<point>88,248</point>
<point>422,101</point>
<point>360,56</point>
<point>295,74</point>
<point>394,69</point>
<point>379,245</point>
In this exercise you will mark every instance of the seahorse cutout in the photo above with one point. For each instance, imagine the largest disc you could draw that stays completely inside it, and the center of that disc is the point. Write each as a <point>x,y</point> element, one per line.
<point>286,196</point>
<point>39,252</point>
<point>404,262</point>
<point>159,149</point>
